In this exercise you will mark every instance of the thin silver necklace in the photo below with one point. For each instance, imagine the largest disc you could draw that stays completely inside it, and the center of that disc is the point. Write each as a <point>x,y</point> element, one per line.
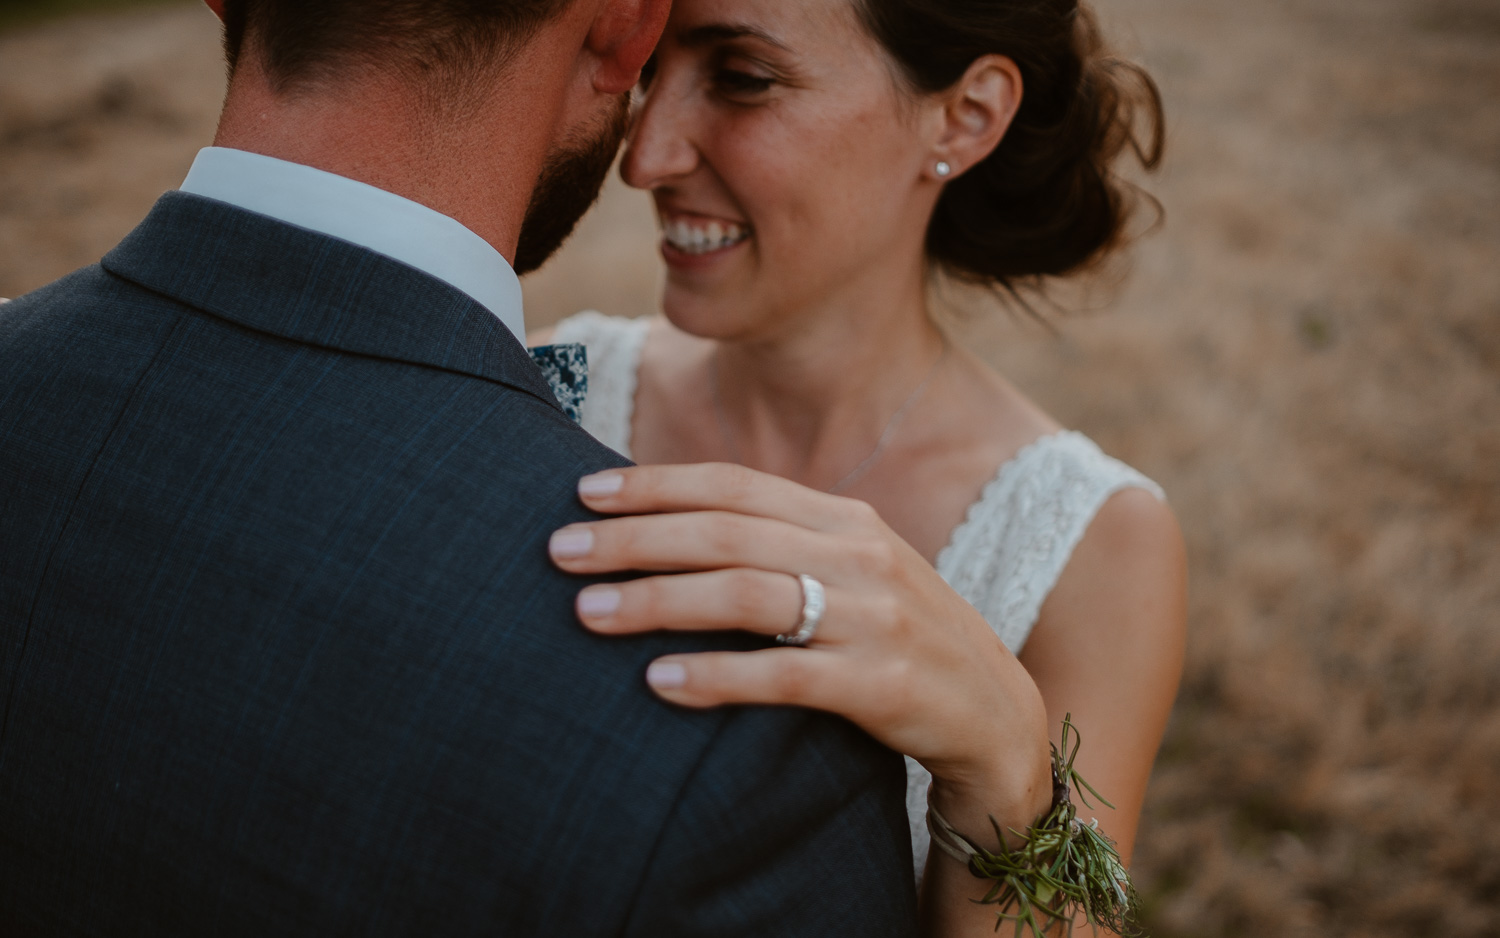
<point>866,464</point>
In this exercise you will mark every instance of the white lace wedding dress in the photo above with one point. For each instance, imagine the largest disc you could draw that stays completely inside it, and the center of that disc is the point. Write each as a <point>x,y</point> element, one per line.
<point>1004,558</point>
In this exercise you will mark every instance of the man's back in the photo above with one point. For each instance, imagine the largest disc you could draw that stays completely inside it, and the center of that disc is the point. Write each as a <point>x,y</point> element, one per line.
<point>283,653</point>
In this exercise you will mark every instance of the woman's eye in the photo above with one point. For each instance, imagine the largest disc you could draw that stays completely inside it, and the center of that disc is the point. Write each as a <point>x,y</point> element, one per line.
<point>741,84</point>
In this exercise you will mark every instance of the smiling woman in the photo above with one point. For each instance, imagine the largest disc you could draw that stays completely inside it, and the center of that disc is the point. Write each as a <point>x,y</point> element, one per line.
<point>794,117</point>
<point>812,163</point>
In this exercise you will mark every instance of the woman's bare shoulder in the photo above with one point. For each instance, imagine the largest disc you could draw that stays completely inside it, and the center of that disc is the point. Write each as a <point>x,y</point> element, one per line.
<point>1136,520</point>
<point>1126,582</point>
<point>998,418</point>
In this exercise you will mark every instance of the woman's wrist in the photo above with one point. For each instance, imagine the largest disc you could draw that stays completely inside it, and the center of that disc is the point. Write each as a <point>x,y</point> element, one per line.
<point>1009,774</point>
<point>1052,871</point>
<point>1013,793</point>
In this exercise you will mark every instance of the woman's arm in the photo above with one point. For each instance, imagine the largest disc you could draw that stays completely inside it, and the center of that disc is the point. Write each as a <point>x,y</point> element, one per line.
<point>1107,649</point>
<point>899,652</point>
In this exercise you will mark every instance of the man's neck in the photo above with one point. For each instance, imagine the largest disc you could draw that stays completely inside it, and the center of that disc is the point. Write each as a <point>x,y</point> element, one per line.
<point>478,167</point>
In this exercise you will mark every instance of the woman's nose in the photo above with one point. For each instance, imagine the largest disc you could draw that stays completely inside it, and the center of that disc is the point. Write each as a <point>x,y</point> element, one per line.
<point>658,148</point>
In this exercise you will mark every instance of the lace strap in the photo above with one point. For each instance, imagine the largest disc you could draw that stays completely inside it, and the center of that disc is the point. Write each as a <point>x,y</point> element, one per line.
<point>614,353</point>
<point>1008,554</point>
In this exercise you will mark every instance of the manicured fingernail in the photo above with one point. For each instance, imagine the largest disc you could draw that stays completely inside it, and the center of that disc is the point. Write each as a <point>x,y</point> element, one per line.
<point>599,601</point>
<point>666,675</point>
<point>572,543</point>
<point>602,483</point>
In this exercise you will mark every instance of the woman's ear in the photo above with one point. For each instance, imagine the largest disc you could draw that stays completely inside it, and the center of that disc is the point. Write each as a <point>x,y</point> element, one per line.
<point>977,111</point>
<point>217,6</point>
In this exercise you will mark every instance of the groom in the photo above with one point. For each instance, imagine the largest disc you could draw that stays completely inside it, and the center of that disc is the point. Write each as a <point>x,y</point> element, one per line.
<point>281,652</point>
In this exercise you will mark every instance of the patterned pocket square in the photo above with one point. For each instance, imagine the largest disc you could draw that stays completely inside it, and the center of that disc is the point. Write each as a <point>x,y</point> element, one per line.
<point>566,368</point>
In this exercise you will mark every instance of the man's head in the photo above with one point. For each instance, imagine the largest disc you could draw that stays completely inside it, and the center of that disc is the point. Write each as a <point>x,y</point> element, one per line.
<point>301,42</point>
<point>445,101</point>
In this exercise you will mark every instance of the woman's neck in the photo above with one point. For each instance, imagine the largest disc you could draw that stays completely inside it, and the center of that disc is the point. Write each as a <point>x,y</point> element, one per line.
<point>812,403</point>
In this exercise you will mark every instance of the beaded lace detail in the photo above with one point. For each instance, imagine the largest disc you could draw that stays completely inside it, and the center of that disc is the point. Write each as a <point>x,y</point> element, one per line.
<point>1010,550</point>
<point>1004,558</point>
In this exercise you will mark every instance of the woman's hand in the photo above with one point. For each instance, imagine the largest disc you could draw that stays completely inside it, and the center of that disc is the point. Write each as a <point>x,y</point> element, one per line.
<point>898,651</point>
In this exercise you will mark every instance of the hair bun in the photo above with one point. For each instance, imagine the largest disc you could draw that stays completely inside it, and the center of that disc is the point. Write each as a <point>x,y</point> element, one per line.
<point>1047,201</point>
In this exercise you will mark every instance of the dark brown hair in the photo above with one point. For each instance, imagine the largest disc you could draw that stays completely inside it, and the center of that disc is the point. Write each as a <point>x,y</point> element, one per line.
<point>1047,201</point>
<point>303,40</point>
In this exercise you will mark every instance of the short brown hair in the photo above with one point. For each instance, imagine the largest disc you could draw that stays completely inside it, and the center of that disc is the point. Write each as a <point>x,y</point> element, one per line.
<point>304,40</point>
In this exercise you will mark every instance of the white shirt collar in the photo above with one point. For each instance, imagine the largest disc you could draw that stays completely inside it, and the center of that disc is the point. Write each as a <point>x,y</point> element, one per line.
<point>364,215</point>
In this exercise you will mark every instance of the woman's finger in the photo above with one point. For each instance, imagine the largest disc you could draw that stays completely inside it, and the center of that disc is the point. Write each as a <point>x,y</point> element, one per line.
<point>713,540</point>
<point>801,677</point>
<point>721,487</point>
<point>744,599</point>
<point>741,599</point>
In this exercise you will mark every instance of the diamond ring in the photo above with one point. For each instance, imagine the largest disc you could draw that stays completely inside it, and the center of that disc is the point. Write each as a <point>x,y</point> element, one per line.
<point>814,604</point>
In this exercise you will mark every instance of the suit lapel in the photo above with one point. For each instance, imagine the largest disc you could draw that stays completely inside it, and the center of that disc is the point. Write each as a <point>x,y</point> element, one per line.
<point>308,287</point>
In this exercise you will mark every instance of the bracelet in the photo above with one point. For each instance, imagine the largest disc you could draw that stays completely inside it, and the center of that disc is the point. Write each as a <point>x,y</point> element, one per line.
<point>1062,867</point>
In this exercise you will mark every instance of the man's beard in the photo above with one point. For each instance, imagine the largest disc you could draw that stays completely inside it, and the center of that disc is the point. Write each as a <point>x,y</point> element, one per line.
<point>567,188</point>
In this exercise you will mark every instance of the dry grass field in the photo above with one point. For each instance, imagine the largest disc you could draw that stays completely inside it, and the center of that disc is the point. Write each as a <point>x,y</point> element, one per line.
<point>1306,355</point>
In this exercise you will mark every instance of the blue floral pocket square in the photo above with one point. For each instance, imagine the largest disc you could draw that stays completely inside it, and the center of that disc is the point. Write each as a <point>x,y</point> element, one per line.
<point>566,368</point>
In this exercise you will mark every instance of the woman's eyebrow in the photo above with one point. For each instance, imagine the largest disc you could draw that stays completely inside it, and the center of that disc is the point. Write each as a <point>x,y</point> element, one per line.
<point>723,32</point>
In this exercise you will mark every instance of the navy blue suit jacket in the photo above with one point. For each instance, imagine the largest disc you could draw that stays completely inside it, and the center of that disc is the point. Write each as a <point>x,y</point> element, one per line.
<point>281,651</point>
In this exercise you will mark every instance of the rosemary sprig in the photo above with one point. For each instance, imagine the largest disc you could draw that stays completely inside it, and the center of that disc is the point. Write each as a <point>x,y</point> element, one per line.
<point>1063,865</point>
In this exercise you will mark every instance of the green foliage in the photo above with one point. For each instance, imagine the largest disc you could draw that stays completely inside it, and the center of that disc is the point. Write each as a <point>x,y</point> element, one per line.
<point>1063,866</point>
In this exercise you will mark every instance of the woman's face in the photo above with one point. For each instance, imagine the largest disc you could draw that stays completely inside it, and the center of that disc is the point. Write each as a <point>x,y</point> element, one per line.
<point>785,163</point>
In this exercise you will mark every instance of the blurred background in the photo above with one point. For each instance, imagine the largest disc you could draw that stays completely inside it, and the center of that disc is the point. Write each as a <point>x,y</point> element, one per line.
<point>1306,355</point>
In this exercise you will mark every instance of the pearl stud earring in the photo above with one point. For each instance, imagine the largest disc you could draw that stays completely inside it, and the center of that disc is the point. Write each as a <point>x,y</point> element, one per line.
<point>943,169</point>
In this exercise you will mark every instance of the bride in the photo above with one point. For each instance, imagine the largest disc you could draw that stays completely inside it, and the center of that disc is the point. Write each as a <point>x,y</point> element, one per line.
<point>813,163</point>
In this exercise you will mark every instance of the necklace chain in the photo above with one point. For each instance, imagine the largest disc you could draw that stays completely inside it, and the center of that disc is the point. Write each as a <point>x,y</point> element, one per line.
<point>866,464</point>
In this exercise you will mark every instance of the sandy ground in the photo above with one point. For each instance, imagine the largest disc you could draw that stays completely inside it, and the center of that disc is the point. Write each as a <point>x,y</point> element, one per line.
<point>1306,355</point>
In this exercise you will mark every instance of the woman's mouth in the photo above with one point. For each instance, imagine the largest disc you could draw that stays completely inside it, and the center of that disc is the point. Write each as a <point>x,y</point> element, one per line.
<point>699,236</point>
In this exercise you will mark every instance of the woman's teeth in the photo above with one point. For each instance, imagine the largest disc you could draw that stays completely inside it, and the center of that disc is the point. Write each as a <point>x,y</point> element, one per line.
<point>703,239</point>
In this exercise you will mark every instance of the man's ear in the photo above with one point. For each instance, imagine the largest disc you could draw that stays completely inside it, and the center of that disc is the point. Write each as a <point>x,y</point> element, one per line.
<point>623,37</point>
<point>977,111</point>
<point>217,6</point>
